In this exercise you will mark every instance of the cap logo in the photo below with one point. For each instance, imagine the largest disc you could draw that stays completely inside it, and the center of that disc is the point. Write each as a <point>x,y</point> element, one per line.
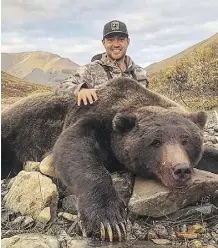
<point>115,26</point>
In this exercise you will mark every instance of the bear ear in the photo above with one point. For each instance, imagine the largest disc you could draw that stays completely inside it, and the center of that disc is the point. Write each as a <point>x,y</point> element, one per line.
<point>199,118</point>
<point>123,122</point>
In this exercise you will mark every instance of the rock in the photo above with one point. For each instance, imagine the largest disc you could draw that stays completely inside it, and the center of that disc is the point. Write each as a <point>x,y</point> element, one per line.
<point>78,244</point>
<point>69,204</point>
<point>44,216</point>
<point>46,167</point>
<point>194,212</point>
<point>209,144</point>
<point>30,241</point>
<point>216,128</point>
<point>197,228</point>
<point>161,241</point>
<point>67,216</point>
<point>66,241</point>
<point>123,183</point>
<point>196,244</point>
<point>152,235</point>
<point>150,198</point>
<point>28,222</point>
<point>206,138</point>
<point>210,132</point>
<point>207,209</point>
<point>30,193</point>
<point>31,166</point>
<point>19,220</point>
<point>216,146</point>
<point>212,139</point>
<point>212,119</point>
<point>161,231</point>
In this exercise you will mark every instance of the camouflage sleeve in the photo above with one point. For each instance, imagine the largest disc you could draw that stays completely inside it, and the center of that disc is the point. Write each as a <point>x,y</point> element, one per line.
<point>141,76</point>
<point>72,85</point>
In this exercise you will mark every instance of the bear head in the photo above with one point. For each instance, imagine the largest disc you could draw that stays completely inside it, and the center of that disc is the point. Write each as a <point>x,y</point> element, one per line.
<point>161,143</point>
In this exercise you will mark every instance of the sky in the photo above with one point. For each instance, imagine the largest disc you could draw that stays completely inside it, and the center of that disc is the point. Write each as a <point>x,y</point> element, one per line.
<point>73,28</point>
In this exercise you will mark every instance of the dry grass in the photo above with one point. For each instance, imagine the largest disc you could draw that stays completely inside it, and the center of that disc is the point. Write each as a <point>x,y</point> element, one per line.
<point>14,88</point>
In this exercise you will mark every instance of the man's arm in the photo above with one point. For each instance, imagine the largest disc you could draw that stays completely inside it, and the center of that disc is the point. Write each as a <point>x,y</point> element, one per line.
<point>81,84</point>
<point>72,85</point>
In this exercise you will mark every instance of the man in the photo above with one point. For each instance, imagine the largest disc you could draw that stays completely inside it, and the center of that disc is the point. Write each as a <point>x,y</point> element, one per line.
<point>112,64</point>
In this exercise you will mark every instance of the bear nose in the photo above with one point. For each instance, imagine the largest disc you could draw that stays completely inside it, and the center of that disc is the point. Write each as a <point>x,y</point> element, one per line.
<point>182,172</point>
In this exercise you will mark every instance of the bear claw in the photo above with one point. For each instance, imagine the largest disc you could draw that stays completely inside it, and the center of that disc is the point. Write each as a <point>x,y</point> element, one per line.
<point>110,231</point>
<point>124,230</point>
<point>118,232</point>
<point>102,232</point>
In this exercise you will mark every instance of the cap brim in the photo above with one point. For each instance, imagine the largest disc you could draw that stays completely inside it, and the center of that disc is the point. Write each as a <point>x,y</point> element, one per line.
<point>115,32</point>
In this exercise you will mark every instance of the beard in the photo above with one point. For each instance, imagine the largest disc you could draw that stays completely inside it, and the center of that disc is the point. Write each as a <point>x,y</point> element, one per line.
<point>117,58</point>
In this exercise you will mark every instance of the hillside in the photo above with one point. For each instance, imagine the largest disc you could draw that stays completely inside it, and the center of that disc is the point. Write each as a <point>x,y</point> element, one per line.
<point>193,80</point>
<point>14,88</point>
<point>38,67</point>
<point>156,67</point>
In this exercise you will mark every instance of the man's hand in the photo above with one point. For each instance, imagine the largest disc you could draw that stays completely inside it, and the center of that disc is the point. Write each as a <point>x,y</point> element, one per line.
<point>86,95</point>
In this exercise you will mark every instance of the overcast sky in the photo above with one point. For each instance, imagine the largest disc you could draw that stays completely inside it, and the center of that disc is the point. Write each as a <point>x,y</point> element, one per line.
<point>73,28</point>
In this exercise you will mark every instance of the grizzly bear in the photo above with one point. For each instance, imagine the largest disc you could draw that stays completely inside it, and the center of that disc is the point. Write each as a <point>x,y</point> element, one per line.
<point>129,128</point>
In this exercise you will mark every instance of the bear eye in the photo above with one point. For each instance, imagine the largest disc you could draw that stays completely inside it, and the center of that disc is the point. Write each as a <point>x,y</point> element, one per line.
<point>184,140</point>
<point>156,143</point>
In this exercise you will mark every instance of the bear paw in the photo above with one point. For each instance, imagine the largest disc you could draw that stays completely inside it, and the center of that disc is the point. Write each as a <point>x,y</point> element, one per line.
<point>106,219</point>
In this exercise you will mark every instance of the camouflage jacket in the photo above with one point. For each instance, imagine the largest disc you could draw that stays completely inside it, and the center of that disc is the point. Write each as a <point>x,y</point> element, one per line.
<point>99,72</point>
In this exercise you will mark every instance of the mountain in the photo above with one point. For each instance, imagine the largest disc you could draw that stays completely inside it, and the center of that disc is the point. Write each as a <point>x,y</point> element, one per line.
<point>38,67</point>
<point>190,77</point>
<point>14,88</point>
<point>156,67</point>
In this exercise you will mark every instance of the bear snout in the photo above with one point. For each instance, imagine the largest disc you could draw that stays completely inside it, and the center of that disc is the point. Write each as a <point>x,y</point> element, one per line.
<point>182,173</point>
<point>175,167</point>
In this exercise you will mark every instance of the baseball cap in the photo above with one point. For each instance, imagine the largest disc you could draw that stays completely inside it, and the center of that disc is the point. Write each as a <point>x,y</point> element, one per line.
<point>115,26</point>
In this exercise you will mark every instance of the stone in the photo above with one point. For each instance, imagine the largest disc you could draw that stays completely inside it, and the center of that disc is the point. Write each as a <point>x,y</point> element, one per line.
<point>31,166</point>
<point>197,228</point>
<point>69,204</point>
<point>67,216</point>
<point>196,244</point>
<point>123,182</point>
<point>216,128</point>
<point>161,231</point>
<point>46,167</point>
<point>19,220</point>
<point>78,243</point>
<point>212,139</point>
<point>44,216</point>
<point>30,241</point>
<point>162,241</point>
<point>30,193</point>
<point>28,222</point>
<point>150,198</point>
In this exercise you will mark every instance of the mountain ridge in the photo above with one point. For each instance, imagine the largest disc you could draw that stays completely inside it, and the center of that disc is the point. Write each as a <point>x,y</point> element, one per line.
<point>24,64</point>
<point>163,64</point>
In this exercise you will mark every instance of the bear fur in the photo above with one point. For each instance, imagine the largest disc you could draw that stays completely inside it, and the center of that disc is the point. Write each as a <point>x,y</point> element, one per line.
<point>129,128</point>
<point>31,126</point>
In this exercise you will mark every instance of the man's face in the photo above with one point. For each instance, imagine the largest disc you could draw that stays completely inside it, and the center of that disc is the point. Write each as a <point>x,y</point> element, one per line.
<point>116,46</point>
